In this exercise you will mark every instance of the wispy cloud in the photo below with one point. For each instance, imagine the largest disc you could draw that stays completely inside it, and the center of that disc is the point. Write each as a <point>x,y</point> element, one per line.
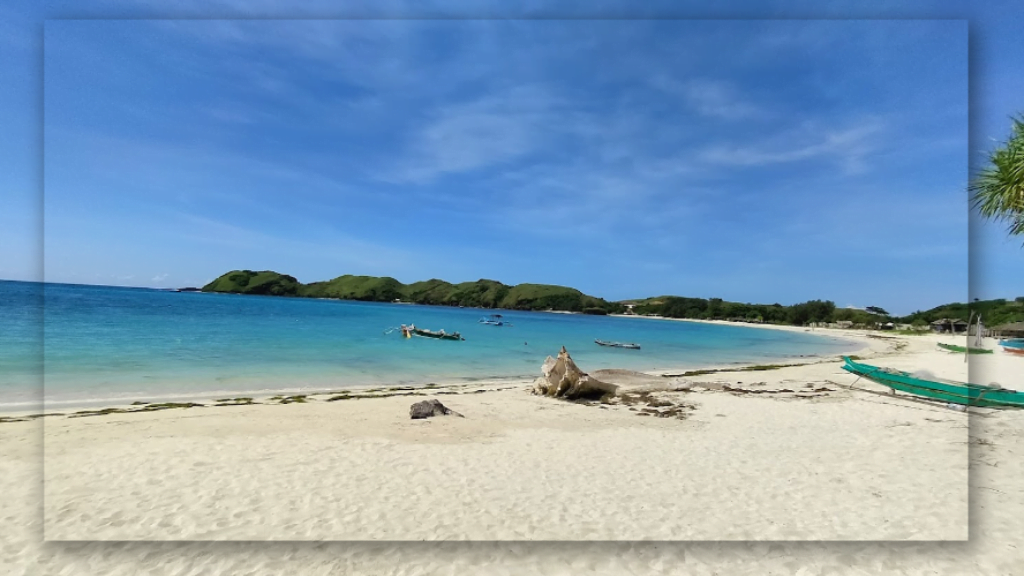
<point>708,97</point>
<point>848,146</point>
<point>324,147</point>
<point>482,133</point>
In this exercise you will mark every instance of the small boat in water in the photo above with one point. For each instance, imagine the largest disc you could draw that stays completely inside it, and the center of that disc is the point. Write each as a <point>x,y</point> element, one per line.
<point>937,389</point>
<point>617,344</point>
<point>962,349</point>
<point>494,320</point>
<point>411,330</point>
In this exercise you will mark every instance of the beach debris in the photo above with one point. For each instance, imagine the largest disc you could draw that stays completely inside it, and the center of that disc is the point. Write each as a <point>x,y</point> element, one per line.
<point>428,408</point>
<point>244,401</point>
<point>812,393</point>
<point>680,386</point>
<point>297,399</point>
<point>756,368</point>
<point>564,379</point>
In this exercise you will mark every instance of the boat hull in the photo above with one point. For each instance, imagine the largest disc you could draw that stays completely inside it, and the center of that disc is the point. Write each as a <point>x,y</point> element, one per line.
<point>955,393</point>
<point>436,336</point>
<point>962,349</point>
<point>617,345</point>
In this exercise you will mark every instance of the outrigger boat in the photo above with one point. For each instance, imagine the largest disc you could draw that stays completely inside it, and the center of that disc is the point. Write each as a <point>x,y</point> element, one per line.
<point>494,320</point>
<point>410,330</point>
<point>1013,346</point>
<point>962,349</point>
<point>942,390</point>
<point>617,345</point>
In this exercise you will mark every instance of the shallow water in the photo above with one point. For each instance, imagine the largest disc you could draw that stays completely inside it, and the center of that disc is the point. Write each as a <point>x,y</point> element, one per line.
<point>99,344</point>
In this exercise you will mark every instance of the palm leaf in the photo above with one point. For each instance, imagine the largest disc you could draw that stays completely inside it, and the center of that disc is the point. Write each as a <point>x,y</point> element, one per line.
<point>997,191</point>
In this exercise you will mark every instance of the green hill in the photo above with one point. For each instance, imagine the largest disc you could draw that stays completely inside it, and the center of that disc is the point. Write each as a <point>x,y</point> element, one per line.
<point>431,291</point>
<point>482,293</point>
<point>250,282</point>
<point>547,296</point>
<point>349,287</point>
<point>993,312</point>
<point>485,293</point>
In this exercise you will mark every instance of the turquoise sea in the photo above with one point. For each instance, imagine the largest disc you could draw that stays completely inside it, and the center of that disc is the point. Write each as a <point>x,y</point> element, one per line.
<point>86,345</point>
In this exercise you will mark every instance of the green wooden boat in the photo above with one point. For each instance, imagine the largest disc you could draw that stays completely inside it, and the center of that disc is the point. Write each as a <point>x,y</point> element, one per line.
<point>440,335</point>
<point>962,349</point>
<point>942,390</point>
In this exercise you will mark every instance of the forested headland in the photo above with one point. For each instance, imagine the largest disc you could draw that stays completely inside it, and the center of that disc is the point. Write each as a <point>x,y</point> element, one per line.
<point>485,293</point>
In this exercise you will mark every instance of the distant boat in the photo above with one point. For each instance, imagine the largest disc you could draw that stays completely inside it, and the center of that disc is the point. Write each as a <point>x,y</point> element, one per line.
<point>962,349</point>
<point>410,330</point>
<point>617,344</point>
<point>944,390</point>
<point>494,320</point>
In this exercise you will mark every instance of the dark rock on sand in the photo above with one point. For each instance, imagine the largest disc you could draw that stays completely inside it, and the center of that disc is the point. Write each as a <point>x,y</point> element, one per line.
<point>428,408</point>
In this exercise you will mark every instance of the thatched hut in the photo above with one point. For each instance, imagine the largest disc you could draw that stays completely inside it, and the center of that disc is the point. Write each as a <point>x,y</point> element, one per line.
<point>950,325</point>
<point>1011,330</point>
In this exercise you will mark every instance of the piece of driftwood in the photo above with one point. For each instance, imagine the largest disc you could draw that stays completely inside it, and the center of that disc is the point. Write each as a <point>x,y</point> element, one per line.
<point>563,379</point>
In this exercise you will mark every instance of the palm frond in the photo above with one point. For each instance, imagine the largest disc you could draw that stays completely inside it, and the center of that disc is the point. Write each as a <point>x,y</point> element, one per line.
<point>997,191</point>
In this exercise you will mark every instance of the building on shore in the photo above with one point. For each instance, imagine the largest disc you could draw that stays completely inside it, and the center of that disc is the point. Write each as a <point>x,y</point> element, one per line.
<point>1011,330</point>
<point>949,325</point>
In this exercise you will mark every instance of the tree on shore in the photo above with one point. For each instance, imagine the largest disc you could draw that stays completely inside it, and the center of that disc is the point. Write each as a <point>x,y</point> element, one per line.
<point>997,191</point>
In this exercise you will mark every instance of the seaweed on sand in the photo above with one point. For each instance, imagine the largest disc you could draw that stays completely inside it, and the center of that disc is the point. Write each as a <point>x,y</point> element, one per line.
<point>756,368</point>
<point>244,401</point>
<point>654,405</point>
<point>299,399</point>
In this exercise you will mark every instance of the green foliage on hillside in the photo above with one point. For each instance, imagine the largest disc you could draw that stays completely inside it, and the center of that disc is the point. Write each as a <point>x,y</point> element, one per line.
<point>711,309</point>
<point>481,293</point>
<point>432,291</point>
<point>493,294</point>
<point>250,282</point>
<point>349,287</point>
<point>547,296</point>
<point>718,309</point>
<point>993,312</point>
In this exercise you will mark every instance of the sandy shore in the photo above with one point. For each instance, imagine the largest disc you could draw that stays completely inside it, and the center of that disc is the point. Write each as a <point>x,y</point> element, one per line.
<point>804,458</point>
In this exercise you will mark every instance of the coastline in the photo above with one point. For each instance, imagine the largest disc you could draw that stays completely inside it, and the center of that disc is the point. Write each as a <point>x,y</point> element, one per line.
<point>61,407</point>
<point>846,464</point>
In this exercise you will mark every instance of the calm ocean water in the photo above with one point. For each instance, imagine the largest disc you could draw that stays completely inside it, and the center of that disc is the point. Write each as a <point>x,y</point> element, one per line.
<point>102,345</point>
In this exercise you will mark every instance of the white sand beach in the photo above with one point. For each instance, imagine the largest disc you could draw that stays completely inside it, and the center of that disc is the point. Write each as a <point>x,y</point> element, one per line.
<point>795,454</point>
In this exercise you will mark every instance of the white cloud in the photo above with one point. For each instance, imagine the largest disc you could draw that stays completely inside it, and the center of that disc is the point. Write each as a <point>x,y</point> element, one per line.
<point>486,132</point>
<point>709,97</point>
<point>849,147</point>
<point>159,278</point>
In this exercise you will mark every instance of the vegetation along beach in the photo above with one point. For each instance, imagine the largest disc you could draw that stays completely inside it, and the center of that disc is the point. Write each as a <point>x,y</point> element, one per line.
<point>490,295</point>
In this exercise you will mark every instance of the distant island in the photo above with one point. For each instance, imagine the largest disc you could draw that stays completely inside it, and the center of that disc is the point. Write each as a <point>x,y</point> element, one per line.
<point>480,294</point>
<point>493,294</point>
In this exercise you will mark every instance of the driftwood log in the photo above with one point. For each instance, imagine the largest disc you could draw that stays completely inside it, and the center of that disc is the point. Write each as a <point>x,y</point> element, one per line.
<point>564,379</point>
<point>428,408</point>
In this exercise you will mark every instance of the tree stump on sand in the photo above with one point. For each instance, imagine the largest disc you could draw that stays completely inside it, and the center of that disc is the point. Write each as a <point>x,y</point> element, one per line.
<point>428,408</point>
<point>564,379</point>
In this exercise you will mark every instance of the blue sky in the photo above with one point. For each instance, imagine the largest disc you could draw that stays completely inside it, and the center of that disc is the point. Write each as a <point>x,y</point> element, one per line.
<point>762,161</point>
